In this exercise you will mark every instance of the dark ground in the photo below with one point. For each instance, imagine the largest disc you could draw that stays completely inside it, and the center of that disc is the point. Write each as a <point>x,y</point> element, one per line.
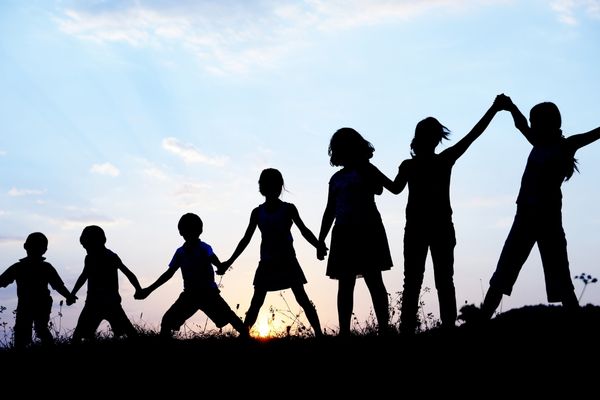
<point>534,350</point>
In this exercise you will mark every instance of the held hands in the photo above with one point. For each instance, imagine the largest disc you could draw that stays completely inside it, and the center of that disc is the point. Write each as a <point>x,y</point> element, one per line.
<point>503,102</point>
<point>321,250</point>
<point>221,269</point>
<point>71,299</point>
<point>141,294</point>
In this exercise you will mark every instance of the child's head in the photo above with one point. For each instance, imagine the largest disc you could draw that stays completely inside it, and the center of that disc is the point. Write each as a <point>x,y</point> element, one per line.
<point>347,147</point>
<point>429,132</point>
<point>270,183</point>
<point>545,119</point>
<point>36,244</point>
<point>92,237</point>
<point>190,226</point>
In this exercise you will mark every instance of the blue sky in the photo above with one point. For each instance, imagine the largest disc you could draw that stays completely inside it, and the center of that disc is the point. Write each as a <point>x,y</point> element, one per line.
<point>127,114</point>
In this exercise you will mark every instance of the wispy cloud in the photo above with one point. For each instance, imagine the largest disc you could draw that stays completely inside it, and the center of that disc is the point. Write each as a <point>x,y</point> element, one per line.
<point>190,154</point>
<point>569,10</point>
<point>235,36</point>
<point>2,152</point>
<point>80,221</point>
<point>11,239</point>
<point>105,169</point>
<point>14,192</point>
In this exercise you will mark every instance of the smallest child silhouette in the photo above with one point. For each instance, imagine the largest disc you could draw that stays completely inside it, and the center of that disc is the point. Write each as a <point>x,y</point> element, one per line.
<point>33,275</point>
<point>200,291</point>
<point>103,302</point>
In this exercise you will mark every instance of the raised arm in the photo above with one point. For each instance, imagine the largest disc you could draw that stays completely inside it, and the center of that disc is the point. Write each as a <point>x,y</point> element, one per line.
<point>519,119</point>
<point>463,144</point>
<point>583,139</point>
<point>252,224</point>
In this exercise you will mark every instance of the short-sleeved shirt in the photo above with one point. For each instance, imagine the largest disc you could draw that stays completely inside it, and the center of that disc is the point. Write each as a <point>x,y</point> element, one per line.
<point>102,270</point>
<point>544,174</point>
<point>429,188</point>
<point>32,275</point>
<point>196,266</point>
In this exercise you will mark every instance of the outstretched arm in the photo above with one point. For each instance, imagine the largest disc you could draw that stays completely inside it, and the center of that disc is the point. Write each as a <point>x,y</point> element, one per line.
<point>168,274</point>
<point>252,224</point>
<point>80,281</point>
<point>57,284</point>
<point>583,139</point>
<point>307,233</point>
<point>463,144</point>
<point>130,275</point>
<point>326,222</point>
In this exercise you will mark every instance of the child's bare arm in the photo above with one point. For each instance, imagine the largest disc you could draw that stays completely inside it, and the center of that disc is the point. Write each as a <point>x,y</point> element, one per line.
<point>583,139</point>
<point>130,275</point>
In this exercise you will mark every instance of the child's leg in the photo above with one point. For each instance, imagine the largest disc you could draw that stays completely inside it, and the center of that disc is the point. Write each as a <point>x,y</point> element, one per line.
<point>88,322</point>
<point>442,255</point>
<point>120,323</point>
<point>183,308</point>
<point>379,294</point>
<point>258,299</point>
<point>23,323</point>
<point>415,255</point>
<point>345,303</point>
<point>309,308</point>
<point>41,321</point>
<point>515,252</point>
<point>552,244</point>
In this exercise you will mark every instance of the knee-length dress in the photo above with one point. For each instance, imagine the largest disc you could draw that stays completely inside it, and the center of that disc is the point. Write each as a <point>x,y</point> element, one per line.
<point>359,241</point>
<point>278,267</point>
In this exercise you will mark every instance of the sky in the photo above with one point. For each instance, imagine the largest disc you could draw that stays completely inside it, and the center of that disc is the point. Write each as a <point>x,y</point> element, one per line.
<point>128,114</point>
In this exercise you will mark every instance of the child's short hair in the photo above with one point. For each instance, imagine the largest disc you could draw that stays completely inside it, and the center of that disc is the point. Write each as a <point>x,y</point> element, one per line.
<point>92,234</point>
<point>190,222</point>
<point>36,240</point>
<point>348,146</point>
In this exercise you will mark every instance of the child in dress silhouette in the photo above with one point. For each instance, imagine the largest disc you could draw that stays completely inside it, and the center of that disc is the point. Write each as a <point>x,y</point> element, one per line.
<point>539,207</point>
<point>33,275</point>
<point>278,268</point>
<point>359,245</point>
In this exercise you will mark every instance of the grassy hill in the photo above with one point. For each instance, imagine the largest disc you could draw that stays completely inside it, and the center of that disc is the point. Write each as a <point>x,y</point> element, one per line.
<point>537,348</point>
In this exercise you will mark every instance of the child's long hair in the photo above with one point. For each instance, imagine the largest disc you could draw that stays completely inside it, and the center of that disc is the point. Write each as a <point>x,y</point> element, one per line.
<point>429,132</point>
<point>546,122</point>
<point>347,146</point>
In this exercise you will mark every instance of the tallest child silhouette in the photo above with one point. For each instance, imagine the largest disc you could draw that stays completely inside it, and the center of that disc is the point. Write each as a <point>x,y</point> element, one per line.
<point>539,207</point>
<point>359,245</point>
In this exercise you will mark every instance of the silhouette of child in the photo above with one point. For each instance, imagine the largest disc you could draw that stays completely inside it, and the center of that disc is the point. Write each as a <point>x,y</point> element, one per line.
<point>539,207</point>
<point>33,275</point>
<point>278,267</point>
<point>195,258</point>
<point>103,302</point>
<point>359,245</point>
<point>429,225</point>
